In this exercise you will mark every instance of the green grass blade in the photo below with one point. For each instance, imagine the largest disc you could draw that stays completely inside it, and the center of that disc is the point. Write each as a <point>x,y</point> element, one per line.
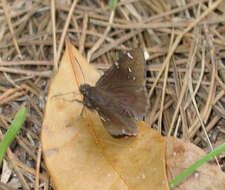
<point>112,4</point>
<point>12,131</point>
<point>197,164</point>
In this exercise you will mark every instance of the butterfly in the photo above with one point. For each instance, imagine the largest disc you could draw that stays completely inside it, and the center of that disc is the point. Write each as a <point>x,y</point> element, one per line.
<point>119,96</point>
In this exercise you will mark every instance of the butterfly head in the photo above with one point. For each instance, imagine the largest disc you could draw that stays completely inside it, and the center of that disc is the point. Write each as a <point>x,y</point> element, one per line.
<point>84,89</point>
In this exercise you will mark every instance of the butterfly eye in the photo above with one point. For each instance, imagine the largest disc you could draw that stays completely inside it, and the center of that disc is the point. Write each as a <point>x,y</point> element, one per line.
<point>84,89</point>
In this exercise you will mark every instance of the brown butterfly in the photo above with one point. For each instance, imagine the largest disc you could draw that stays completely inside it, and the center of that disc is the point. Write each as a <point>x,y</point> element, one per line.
<point>119,96</point>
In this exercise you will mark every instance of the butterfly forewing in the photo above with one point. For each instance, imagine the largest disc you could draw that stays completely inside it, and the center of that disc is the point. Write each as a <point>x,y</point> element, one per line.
<point>128,72</point>
<point>126,80</point>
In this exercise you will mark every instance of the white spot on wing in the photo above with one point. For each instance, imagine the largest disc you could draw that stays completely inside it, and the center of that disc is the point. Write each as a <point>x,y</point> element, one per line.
<point>130,56</point>
<point>117,65</point>
<point>129,69</point>
<point>102,118</point>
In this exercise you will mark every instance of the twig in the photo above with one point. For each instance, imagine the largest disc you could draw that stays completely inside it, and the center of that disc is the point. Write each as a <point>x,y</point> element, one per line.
<point>83,36</point>
<point>54,34</point>
<point>5,8</point>
<point>101,40</point>
<point>65,29</point>
<point>38,168</point>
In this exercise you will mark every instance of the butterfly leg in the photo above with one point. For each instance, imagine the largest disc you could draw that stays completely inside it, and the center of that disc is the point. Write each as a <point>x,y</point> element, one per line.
<point>81,102</point>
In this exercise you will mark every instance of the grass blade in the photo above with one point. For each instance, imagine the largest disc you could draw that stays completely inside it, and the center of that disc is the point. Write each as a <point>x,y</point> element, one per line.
<point>12,131</point>
<point>197,164</point>
<point>112,4</point>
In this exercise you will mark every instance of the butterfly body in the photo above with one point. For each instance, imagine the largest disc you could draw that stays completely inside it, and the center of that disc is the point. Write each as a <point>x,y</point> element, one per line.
<point>119,96</point>
<point>95,98</point>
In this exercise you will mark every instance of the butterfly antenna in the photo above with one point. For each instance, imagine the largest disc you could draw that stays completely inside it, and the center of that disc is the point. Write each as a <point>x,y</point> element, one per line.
<point>82,111</point>
<point>66,93</point>
<point>80,68</point>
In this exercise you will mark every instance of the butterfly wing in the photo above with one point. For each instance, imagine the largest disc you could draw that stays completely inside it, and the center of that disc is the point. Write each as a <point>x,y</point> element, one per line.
<point>125,80</point>
<point>115,116</point>
<point>117,125</point>
<point>128,72</point>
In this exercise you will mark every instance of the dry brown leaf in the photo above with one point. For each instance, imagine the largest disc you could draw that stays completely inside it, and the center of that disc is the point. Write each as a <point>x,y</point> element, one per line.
<point>180,155</point>
<point>80,154</point>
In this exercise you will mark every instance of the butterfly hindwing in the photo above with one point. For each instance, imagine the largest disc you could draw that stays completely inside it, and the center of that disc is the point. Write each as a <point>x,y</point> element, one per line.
<point>118,125</point>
